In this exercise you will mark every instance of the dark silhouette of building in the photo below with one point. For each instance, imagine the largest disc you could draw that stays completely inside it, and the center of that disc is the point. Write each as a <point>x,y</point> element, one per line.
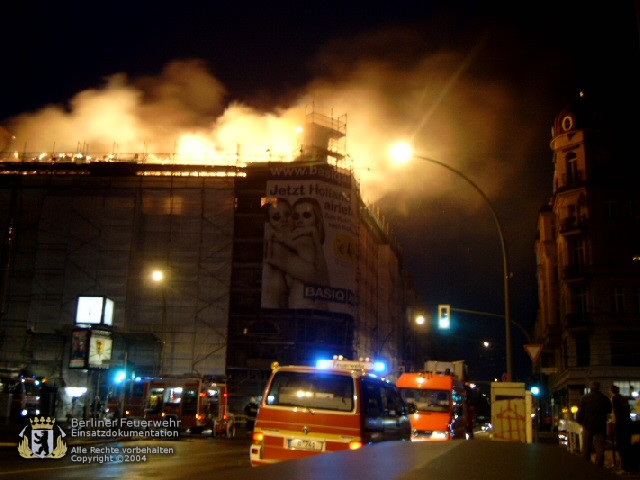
<point>588,256</point>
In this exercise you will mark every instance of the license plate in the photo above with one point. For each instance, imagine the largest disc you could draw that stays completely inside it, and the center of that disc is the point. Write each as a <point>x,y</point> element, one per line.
<point>303,444</point>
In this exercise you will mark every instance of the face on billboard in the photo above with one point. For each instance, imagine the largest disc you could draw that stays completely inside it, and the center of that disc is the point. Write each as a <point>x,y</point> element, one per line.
<point>307,216</point>
<point>304,216</point>
<point>280,216</point>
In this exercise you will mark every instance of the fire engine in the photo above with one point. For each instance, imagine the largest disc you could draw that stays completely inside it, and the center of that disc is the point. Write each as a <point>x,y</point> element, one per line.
<point>198,403</point>
<point>23,393</point>
<point>130,400</point>
<point>439,395</point>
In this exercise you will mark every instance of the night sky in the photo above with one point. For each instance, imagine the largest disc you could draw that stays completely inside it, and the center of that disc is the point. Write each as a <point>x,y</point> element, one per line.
<point>476,85</point>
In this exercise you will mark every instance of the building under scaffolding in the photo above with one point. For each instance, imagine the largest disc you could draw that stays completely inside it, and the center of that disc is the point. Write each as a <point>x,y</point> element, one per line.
<point>82,228</point>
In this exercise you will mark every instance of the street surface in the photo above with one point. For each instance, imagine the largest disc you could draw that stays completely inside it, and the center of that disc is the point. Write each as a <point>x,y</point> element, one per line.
<point>196,457</point>
<point>189,458</point>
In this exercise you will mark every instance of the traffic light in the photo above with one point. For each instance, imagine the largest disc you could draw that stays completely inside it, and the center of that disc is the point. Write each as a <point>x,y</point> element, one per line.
<point>535,384</point>
<point>444,317</point>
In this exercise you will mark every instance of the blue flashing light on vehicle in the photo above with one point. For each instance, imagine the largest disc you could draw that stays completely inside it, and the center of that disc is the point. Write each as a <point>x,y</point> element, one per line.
<point>338,361</point>
<point>119,376</point>
<point>324,363</point>
<point>379,367</point>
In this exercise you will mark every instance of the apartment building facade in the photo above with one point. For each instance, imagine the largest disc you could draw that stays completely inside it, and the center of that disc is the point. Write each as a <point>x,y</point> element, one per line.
<point>588,257</point>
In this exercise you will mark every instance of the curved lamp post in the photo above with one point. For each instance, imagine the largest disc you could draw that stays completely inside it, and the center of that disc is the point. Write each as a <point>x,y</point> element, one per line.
<point>404,153</point>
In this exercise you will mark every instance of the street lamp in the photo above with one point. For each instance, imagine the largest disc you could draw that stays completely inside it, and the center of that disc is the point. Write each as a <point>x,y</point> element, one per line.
<point>157,276</point>
<point>403,153</point>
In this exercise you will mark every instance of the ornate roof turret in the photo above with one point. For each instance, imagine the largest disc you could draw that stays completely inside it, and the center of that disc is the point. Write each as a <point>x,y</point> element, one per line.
<point>581,114</point>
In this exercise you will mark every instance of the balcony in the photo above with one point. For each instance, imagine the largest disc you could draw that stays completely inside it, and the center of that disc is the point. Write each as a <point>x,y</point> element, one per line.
<point>573,225</point>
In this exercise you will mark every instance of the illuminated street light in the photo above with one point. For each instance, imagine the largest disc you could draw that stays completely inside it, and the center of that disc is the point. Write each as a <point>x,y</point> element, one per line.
<point>157,276</point>
<point>403,153</point>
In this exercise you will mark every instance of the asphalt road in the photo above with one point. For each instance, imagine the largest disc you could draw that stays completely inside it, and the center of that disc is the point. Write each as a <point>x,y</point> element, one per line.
<point>224,459</point>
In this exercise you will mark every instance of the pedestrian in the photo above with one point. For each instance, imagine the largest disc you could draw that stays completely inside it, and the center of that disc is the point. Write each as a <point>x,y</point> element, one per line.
<point>96,407</point>
<point>622,429</point>
<point>593,413</point>
<point>251,412</point>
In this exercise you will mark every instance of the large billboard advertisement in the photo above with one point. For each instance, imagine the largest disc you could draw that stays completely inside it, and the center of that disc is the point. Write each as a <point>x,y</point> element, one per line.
<point>310,241</point>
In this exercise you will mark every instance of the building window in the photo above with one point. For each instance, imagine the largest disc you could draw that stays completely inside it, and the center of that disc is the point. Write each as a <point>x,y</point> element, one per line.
<point>575,216</point>
<point>617,299</point>
<point>575,251</point>
<point>572,169</point>
<point>583,351</point>
<point>581,300</point>
<point>571,216</point>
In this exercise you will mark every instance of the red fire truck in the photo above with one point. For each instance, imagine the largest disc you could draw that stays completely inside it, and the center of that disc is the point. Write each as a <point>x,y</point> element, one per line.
<point>198,403</point>
<point>130,399</point>
<point>21,394</point>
